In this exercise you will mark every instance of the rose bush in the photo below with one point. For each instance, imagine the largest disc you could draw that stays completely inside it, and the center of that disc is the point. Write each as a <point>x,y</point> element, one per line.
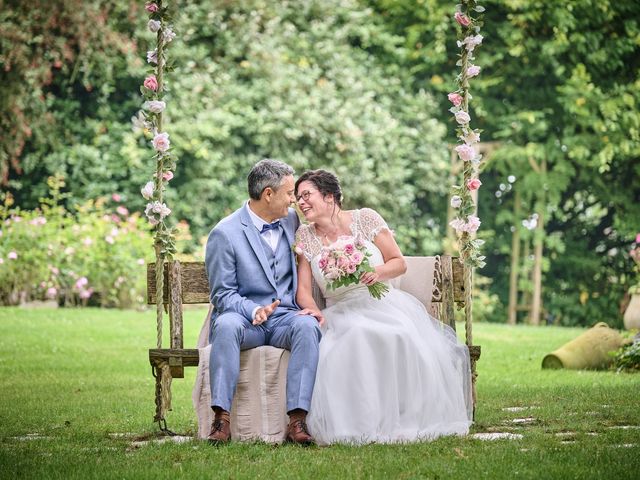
<point>95,254</point>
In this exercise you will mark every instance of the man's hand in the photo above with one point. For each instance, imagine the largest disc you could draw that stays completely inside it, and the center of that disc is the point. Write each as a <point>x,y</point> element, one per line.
<point>262,314</point>
<point>313,313</point>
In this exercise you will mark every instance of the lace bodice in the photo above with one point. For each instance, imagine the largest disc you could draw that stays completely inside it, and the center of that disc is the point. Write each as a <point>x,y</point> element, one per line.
<point>366,224</point>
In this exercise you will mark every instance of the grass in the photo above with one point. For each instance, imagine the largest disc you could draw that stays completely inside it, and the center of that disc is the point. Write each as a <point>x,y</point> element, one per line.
<point>70,379</point>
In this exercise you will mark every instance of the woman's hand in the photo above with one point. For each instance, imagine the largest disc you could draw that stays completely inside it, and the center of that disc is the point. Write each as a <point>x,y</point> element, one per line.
<point>313,313</point>
<point>369,278</point>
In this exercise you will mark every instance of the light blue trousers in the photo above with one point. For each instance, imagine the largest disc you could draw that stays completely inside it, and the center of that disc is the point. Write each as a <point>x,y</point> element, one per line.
<point>232,332</point>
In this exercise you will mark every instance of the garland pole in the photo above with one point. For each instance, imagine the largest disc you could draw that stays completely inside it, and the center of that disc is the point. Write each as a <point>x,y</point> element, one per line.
<point>468,16</point>
<point>151,117</point>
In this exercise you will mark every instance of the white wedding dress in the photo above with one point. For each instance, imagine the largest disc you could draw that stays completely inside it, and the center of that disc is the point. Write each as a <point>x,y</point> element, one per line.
<point>388,371</point>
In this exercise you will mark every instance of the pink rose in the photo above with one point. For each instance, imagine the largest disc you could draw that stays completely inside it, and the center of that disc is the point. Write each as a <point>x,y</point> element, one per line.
<point>322,263</point>
<point>462,19</point>
<point>465,152</point>
<point>166,176</point>
<point>357,257</point>
<point>349,248</point>
<point>151,7</point>
<point>84,294</point>
<point>455,98</point>
<point>351,268</point>
<point>116,197</point>
<point>474,184</point>
<point>161,142</point>
<point>151,83</point>
<point>51,292</point>
<point>462,117</point>
<point>638,238</point>
<point>12,255</point>
<point>332,273</point>
<point>472,71</point>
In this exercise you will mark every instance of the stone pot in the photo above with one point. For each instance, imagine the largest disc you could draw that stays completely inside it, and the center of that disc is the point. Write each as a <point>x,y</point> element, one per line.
<point>632,313</point>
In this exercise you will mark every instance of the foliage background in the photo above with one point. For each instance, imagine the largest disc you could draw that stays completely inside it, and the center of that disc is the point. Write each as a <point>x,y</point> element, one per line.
<point>358,87</point>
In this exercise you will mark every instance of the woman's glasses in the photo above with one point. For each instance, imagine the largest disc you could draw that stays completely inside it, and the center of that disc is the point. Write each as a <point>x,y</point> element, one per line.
<point>304,195</point>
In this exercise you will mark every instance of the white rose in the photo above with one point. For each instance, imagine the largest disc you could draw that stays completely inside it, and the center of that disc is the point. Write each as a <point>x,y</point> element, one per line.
<point>155,106</point>
<point>147,190</point>
<point>471,138</point>
<point>154,25</point>
<point>462,117</point>
<point>456,201</point>
<point>168,35</point>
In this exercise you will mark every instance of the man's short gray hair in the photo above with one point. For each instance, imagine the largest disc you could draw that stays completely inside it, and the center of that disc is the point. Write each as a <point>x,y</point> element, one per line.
<point>267,173</point>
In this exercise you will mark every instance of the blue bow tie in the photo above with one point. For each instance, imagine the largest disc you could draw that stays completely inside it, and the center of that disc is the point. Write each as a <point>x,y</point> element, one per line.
<point>270,226</point>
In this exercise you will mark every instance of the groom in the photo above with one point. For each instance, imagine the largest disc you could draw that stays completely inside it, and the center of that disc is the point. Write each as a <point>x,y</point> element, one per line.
<point>253,280</point>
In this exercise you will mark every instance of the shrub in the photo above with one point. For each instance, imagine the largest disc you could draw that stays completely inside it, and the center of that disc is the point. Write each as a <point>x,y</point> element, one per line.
<point>627,358</point>
<point>92,255</point>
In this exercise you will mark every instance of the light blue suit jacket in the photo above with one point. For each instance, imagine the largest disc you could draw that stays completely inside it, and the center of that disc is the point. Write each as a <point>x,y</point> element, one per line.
<point>240,278</point>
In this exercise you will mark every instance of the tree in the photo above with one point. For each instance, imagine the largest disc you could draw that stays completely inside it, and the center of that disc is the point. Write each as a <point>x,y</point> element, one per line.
<point>559,87</point>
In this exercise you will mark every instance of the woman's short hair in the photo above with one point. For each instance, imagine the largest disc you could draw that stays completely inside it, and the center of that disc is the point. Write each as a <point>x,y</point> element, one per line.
<point>326,183</point>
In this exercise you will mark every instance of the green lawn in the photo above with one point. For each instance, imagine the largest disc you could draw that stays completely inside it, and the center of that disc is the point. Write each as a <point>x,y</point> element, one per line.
<point>71,379</point>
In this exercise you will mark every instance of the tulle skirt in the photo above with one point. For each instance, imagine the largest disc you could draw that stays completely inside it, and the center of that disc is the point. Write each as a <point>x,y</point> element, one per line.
<point>388,372</point>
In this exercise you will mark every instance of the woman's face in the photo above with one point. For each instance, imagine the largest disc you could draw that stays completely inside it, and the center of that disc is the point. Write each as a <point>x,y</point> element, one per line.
<point>312,203</point>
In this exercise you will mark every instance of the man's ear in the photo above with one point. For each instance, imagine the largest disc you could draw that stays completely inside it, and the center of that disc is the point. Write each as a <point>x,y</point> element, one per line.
<point>267,194</point>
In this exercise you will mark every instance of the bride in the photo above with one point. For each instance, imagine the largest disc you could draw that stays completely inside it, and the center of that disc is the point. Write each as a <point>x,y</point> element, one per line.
<point>388,372</point>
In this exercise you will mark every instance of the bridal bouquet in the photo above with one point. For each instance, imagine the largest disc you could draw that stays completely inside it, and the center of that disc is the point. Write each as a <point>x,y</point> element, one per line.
<point>344,261</point>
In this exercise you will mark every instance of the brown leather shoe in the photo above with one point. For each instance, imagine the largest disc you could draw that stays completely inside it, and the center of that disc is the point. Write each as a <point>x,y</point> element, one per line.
<point>297,432</point>
<point>220,432</point>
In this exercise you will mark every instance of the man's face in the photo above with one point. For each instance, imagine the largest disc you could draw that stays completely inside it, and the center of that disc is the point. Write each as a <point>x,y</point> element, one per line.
<point>281,199</point>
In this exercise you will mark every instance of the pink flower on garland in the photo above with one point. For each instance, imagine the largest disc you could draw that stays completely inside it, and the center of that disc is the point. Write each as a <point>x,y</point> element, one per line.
<point>161,142</point>
<point>465,152</point>
<point>474,184</point>
<point>151,7</point>
<point>455,98</point>
<point>473,71</point>
<point>166,176</point>
<point>151,83</point>
<point>462,19</point>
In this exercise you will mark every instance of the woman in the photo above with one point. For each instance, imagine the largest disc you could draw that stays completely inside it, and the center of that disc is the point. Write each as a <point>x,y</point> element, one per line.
<point>388,372</point>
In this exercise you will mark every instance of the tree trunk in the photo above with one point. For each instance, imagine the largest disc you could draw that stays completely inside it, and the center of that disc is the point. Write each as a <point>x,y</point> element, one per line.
<point>538,240</point>
<point>515,260</point>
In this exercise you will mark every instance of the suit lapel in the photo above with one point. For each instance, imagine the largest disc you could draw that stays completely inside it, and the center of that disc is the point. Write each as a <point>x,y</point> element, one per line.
<point>256,242</point>
<point>289,233</point>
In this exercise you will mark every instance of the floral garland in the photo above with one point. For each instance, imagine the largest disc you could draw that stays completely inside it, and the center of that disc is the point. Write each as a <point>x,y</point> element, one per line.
<point>466,222</point>
<point>153,90</point>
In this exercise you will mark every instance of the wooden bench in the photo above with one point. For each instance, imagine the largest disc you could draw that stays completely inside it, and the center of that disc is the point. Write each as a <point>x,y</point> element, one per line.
<point>186,283</point>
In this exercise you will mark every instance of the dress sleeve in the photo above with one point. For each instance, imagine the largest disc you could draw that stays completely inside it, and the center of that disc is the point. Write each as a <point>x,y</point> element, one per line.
<point>304,242</point>
<point>372,223</point>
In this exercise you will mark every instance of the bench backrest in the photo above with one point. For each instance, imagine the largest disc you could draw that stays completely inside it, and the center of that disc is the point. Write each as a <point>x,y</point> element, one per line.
<point>186,283</point>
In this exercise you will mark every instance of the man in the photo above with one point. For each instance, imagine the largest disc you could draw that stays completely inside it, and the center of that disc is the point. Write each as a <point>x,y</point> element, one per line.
<point>253,280</point>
